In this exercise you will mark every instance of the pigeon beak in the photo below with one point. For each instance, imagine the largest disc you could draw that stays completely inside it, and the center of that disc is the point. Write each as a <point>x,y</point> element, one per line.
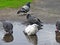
<point>24,33</point>
<point>41,25</point>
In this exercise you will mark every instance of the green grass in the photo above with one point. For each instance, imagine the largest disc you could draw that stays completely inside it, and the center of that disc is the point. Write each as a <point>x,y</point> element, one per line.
<point>12,3</point>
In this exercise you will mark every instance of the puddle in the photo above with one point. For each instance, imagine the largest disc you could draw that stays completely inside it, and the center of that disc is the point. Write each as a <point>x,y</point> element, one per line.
<point>45,36</point>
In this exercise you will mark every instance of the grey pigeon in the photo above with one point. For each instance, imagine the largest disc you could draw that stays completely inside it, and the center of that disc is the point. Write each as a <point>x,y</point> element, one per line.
<point>33,20</point>
<point>24,9</point>
<point>8,27</point>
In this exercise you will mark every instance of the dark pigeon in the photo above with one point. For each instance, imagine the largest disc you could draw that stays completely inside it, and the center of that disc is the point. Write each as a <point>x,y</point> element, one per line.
<point>24,9</point>
<point>34,20</point>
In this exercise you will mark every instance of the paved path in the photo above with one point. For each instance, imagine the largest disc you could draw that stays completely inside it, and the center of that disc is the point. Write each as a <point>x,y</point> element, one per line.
<point>46,10</point>
<point>49,10</point>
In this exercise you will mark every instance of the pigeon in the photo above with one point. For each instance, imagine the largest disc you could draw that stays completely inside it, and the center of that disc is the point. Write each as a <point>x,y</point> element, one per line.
<point>8,27</point>
<point>31,29</point>
<point>34,20</point>
<point>24,9</point>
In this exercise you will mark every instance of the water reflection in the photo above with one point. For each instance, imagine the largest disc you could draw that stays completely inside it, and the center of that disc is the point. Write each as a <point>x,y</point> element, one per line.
<point>32,39</point>
<point>57,36</point>
<point>46,36</point>
<point>8,38</point>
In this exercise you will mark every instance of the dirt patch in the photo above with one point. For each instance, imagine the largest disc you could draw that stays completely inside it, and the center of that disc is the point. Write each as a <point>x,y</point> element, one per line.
<point>43,9</point>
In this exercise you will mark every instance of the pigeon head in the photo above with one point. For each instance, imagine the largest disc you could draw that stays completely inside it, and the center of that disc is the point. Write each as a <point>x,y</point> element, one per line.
<point>11,31</point>
<point>28,15</point>
<point>28,4</point>
<point>35,25</point>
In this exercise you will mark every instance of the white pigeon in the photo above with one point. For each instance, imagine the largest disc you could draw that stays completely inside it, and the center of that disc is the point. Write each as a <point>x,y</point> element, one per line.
<point>31,29</point>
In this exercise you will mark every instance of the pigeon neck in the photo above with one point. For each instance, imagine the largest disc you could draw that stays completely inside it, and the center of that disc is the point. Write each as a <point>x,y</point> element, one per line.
<point>28,16</point>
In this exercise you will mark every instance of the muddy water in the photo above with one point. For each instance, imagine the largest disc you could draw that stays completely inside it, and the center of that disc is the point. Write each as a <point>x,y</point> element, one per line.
<point>45,36</point>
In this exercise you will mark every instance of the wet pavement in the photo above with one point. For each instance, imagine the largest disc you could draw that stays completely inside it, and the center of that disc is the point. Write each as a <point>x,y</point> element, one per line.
<point>45,36</point>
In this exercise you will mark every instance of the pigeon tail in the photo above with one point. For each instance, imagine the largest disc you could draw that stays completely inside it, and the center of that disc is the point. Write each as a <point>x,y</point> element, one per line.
<point>18,12</point>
